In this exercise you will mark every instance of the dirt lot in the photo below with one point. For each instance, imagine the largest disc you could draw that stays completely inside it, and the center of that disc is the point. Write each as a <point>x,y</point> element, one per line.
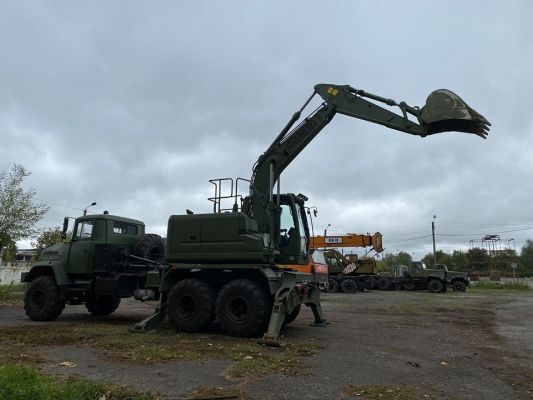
<point>380,345</point>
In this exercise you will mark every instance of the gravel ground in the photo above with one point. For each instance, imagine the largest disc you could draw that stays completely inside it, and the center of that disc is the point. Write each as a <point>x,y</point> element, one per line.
<point>474,345</point>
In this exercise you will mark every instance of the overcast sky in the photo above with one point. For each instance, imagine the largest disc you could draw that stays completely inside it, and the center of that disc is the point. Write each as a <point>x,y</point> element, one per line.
<point>137,105</point>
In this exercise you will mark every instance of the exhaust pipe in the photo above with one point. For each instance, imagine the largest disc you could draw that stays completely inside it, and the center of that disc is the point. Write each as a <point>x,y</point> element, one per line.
<point>445,111</point>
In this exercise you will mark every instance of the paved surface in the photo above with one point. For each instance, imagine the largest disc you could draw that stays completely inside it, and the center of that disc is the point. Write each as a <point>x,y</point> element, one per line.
<point>447,346</point>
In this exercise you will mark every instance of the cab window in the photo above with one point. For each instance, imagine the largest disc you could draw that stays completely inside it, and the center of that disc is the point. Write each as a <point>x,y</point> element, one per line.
<point>286,224</point>
<point>123,228</point>
<point>318,257</point>
<point>84,229</point>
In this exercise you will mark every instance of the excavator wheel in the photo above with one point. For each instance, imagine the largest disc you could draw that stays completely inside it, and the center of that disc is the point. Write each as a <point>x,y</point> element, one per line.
<point>348,286</point>
<point>191,305</point>
<point>243,308</point>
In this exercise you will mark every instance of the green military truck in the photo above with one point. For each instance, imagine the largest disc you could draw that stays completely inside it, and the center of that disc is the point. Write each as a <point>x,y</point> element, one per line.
<point>414,277</point>
<point>459,281</point>
<point>107,259</point>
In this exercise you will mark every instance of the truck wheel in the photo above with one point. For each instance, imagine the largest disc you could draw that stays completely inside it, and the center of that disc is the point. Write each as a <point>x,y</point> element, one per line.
<point>243,308</point>
<point>370,283</point>
<point>459,286</point>
<point>348,286</point>
<point>384,284</point>
<point>292,316</point>
<point>333,286</point>
<point>409,286</point>
<point>42,301</point>
<point>436,286</point>
<point>151,247</point>
<point>191,305</point>
<point>102,305</point>
<point>361,286</point>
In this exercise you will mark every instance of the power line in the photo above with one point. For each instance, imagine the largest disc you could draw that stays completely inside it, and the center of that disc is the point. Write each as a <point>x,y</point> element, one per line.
<point>60,205</point>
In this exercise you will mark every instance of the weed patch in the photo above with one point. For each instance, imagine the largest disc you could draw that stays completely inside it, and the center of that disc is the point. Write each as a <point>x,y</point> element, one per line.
<point>386,392</point>
<point>13,293</point>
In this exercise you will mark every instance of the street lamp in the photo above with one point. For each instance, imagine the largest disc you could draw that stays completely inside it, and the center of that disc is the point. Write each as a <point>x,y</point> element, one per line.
<point>433,235</point>
<point>90,205</point>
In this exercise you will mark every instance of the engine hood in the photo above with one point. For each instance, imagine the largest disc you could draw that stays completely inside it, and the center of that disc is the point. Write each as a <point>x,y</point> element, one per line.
<point>53,252</point>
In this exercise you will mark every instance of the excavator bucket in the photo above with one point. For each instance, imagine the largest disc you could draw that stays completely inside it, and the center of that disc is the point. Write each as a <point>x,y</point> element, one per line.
<point>445,111</point>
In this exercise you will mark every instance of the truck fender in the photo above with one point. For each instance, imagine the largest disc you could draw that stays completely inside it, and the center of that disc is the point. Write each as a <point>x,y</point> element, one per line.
<point>51,268</point>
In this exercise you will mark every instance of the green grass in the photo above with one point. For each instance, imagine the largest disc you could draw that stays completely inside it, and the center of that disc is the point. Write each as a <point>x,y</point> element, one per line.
<point>251,360</point>
<point>491,285</point>
<point>13,293</point>
<point>24,383</point>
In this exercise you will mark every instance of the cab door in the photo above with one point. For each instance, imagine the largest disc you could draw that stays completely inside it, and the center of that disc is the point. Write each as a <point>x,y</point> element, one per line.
<point>80,247</point>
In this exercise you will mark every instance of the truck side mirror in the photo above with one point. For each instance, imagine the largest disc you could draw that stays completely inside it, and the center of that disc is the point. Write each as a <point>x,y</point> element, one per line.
<point>65,227</point>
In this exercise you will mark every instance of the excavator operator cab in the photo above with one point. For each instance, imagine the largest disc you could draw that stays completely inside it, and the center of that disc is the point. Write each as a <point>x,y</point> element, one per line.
<point>293,229</point>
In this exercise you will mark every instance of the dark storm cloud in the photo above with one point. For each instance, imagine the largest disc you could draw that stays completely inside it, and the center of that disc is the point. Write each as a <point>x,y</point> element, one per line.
<point>137,106</point>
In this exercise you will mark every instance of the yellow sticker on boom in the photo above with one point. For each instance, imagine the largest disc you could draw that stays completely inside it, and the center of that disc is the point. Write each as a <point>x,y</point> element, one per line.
<point>333,91</point>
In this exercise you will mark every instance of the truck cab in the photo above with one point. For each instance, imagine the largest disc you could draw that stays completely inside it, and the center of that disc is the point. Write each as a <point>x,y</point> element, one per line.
<point>105,260</point>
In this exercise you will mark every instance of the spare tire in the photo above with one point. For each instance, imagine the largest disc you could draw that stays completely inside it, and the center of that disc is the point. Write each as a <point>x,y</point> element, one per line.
<point>151,247</point>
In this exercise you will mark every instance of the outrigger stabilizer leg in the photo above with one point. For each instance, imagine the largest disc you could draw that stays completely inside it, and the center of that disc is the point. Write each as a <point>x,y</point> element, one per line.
<point>285,301</point>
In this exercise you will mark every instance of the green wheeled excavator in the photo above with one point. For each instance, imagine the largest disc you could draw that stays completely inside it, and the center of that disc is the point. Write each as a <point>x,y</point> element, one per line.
<point>233,266</point>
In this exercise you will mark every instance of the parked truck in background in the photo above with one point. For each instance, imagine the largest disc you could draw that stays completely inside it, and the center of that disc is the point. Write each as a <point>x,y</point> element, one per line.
<point>459,281</point>
<point>232,266</point>
<point>413,277</point>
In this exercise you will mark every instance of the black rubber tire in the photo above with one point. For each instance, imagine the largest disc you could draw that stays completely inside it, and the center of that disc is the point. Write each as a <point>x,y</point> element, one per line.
<point>102,304</point>
<point>151,247</point>
<point>42,300</point>
<point>370,283</point>
<point>333,286</point>
<point>243,308</point>
<point>384,284</point>
<point>348,286</point>
<point>436,286</point>
<point>459,286</point>
<point>409,286</point>
<point>191,305</point>
<point>292,316</point>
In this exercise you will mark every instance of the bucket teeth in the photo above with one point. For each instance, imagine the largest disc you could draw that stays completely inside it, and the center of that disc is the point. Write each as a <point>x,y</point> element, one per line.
<point>446,111</point>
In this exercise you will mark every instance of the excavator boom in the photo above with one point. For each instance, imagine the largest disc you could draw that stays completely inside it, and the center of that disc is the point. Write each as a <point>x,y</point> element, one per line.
<point>444,111</point>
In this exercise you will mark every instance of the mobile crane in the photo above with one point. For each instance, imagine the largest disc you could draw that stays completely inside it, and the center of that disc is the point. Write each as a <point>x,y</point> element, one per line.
<point>233,266</point>
<point>348,272</point>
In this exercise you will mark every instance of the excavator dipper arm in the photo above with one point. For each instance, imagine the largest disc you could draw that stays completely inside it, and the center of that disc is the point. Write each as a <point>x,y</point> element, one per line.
<point>444,111</point>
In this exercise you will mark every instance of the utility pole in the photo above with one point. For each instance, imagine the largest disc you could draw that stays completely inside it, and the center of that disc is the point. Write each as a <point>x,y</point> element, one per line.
<point>326,234</point>
<point>433,234</point>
